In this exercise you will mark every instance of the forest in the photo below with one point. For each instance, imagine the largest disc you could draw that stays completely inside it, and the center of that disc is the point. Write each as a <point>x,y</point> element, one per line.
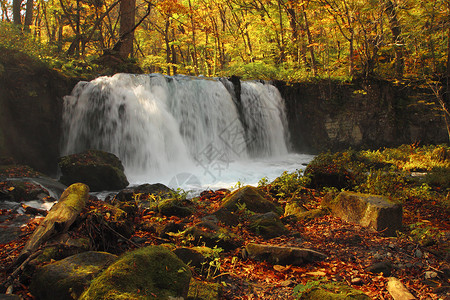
<point>265,39</point>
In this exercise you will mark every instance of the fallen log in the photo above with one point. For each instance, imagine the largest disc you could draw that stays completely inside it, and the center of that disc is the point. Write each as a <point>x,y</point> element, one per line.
<point>58,220</point>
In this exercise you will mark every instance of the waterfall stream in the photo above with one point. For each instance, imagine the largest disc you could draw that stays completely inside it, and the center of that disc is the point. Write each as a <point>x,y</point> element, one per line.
<point>162,127</point>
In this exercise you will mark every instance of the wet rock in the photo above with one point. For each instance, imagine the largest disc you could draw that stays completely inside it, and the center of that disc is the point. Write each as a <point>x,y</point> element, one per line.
<point>371,211</point>
<point>68,278</point>
<point>98,169</point>
<point>153,270</point>
<point>278,255</point>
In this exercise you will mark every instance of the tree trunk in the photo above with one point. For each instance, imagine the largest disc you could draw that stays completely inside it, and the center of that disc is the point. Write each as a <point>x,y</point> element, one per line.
<point>16,12</point>
<point>59,218</point>
<point>194,42</point>
<point>127,12</point>
<point>28,15</point>
<point>396,39</point>
<point>310,42</point>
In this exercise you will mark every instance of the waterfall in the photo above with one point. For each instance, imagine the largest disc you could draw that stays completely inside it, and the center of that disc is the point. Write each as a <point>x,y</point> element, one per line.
<point>159,125</point>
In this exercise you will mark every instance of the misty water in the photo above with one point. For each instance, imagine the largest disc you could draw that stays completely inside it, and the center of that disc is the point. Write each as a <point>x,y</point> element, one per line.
<point>187,132</point>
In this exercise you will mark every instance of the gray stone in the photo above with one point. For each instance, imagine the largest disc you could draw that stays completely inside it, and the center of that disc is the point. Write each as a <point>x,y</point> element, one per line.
<point>278,255</point>
<point>372,211</point>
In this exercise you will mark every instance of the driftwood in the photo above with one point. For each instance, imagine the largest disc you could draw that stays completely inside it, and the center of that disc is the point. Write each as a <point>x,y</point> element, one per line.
<point>58,220</point>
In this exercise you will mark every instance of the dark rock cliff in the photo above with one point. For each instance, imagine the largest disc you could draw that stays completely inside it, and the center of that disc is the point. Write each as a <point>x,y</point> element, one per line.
<point>322,115</point>
<point>332,115</point>
<point>30,110</point>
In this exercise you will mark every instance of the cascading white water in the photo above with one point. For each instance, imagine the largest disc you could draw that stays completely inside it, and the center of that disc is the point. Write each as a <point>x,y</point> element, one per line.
<point>160,126</point>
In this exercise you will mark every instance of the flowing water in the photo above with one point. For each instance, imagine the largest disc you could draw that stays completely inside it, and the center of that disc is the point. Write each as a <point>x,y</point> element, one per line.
<point>182,131</point>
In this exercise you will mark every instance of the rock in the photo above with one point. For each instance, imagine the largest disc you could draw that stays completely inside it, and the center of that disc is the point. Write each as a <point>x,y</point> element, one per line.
<point>278,255</point>
<point>430,275</point>
<point>194,257</point>
<point>10,225</point>
<point>384,267</point>
<point>212,235</point>
<point>246,198</point>
<point>171,227</point>
<point>268,225</point>
<point>200,290</point>
<point>175,207</point>
<point>68,278</point>
<point>145,195</point>
<point>397,290</point>
<point>64,246</point>
<point>371,211</point>
<point>418,253</point>
<point>10,297</point>
<point>330,291</point>
<point>98,169</point>
<point>154,271</point>
<point>310,214</point>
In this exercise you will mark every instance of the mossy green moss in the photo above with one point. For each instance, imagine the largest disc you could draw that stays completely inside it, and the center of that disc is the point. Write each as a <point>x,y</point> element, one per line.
<point>317,290</point>
<point>200,290</point>
<point>147,273</point>
<point>75,196</point>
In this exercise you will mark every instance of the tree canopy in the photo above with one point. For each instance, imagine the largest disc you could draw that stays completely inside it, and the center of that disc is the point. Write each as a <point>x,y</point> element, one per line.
<point>276,39</point>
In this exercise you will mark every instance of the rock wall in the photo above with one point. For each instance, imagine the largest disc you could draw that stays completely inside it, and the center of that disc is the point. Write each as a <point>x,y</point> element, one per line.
<point>30,110</point>
<point>333,115</point>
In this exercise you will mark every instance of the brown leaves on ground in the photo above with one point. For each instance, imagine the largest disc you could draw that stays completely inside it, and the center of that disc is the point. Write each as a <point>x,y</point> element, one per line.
<point>349,247</point>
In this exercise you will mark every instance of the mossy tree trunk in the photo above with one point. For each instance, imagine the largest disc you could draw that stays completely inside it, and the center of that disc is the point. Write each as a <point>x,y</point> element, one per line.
<point>59,218</point>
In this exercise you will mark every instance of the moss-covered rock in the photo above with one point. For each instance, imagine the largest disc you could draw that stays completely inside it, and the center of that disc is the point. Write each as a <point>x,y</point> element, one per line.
<point>68,278</point>
<point>267,225</point>
<point>199,290</point>
<point>98,169</point>
<point>147,273</point>
<point>278,255</point>
<point>328,291</point>
<point>212,235</point>
<point>175,207</point>
<point>247,198</point>
<point>371,211</point>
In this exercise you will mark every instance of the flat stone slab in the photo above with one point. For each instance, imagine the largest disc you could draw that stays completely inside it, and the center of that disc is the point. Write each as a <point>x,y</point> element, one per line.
<point>278,255</point>
<point>367,210</point>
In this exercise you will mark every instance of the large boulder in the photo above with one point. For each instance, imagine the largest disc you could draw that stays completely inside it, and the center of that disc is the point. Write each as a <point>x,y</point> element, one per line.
<point>68,278</point>
<point>98,169</point>
<point>371,211</point>
<point>150,272</point>
<point>279,255</point>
